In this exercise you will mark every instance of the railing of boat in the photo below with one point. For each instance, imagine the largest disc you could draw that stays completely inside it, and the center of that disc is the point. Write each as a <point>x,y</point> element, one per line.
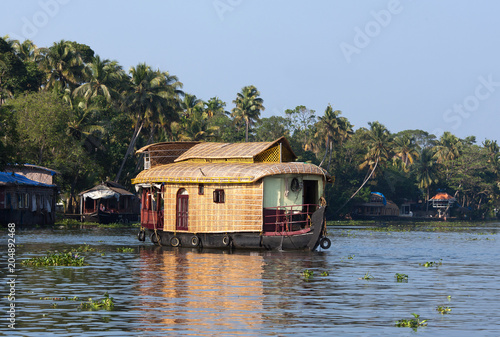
<point>288,218</point>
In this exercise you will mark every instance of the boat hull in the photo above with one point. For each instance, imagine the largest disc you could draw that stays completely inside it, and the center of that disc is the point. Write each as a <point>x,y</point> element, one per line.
<point>305,239</point>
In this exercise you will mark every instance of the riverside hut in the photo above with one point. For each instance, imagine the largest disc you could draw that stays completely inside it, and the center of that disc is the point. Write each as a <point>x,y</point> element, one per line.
<point>109,202</point>
<point>27,195</point>
<point>245,195</point>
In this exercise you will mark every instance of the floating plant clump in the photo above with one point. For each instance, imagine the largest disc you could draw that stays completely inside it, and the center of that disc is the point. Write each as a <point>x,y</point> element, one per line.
<point>401,277</point>
<point>431,264</point>
<point>105,303</point>
<point>56,259</point>
<point>443,310</point>
<point>125,249</point>
<point>413,323</point>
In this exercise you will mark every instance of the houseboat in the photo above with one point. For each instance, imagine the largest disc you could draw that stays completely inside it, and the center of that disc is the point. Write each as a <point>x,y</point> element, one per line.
<point>241,195</point>
<point>109,202</point>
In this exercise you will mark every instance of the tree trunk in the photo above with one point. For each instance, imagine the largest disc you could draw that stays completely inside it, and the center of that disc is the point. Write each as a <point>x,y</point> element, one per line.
<point>326,150</point>
<point>137,131</point>
<point>363,184</point>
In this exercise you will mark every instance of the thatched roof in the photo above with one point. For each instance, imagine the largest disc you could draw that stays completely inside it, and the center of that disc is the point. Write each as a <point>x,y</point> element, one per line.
<point>106,190</point>
<point>234,150</point>
<point>192,172</point>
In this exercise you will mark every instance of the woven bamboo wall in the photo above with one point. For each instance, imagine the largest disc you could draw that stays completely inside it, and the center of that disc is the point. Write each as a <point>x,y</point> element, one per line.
<point>241,211</point>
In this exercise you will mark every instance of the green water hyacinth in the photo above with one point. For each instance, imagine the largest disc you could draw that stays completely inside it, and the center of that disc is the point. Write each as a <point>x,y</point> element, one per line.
<point>413,323</point>
<point>56,259</point>
<point>401,277</point>
<point>105,303</point>
<point>125,249</point>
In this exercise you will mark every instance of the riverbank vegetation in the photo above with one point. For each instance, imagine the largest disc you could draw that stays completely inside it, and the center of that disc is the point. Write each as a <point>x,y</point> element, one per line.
<point>66,108</point>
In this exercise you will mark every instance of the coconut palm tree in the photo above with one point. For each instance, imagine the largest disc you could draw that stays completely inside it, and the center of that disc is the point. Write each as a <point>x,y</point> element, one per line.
<point>63,66</point>
<point>104,78</point>
<point>151,94</point>
<point>425,171</point>
<point>333,130</point>
<point>28,51</point>
<point>405,151</point>
<point>379,144</point>
<point>448,148</point>
<point>190,104</point>
<point>248,107</point>
<point>215,106</point>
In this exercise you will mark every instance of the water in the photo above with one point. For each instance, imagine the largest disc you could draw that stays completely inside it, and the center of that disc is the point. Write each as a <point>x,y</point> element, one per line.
<point>182,292</point>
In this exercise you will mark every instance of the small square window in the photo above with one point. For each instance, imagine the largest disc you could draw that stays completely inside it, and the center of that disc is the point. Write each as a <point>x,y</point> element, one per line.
<point>201,189</point>
<point>219,196</point>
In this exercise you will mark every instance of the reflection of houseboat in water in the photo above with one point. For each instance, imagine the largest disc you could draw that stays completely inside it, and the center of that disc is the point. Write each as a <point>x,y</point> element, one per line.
<point>242,195</point>
<point>107,203</point>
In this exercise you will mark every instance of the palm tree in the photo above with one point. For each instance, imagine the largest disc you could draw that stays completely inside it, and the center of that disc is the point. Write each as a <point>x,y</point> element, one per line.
<point>190,104</point>
<point>379,144</point>
<point>248,107</point>
<point>195,127</point>
<point>215,106</point>
<point>447,148</point>
<point>104,79</point>
<point>333,130</point>
<point>28,51</point>
<point>151,94</point>
<point>63,66</point>
<point>425,171</point>
<point>405,151</point>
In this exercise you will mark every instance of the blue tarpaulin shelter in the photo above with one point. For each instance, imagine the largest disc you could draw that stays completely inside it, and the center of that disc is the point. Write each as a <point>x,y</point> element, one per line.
<point>10,178</point>
<point>384,200</point>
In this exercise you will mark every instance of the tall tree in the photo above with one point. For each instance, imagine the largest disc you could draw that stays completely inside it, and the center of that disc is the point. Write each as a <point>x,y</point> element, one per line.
<point>334,130</point>
<point>248,107</point>
<point>63,65</point>
<point>447,148</point>
<point>425,172</point>
<point>104,78</point>
<point>405,151</point>
<point>151,93</point>
<point>215,106</point>
<point>379,144</point>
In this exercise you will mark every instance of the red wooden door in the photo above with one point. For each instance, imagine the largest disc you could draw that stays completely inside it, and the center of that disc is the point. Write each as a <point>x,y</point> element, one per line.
<point>182,210</point>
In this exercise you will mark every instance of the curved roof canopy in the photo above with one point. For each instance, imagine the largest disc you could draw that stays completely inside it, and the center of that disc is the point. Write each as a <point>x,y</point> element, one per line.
<point>206,172</point>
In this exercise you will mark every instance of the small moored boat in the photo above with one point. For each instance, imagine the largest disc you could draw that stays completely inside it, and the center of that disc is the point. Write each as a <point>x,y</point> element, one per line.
<point>240,195</point>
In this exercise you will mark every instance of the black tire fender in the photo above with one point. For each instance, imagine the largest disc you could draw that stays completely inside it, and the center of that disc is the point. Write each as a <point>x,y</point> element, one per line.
<point>175,242</point>
<point>155,238</point>
<point>325,243</point>
<point>141,235</point>
<point>226,240</point>
<point>195,241</point>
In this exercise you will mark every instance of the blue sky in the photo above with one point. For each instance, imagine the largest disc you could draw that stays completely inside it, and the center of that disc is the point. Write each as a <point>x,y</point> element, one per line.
<point>429,65</point>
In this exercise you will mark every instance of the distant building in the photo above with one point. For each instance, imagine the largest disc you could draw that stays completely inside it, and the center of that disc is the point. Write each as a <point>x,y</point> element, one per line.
<point>442,202</point>
<point>109,202</point>
<point>27,195</point>
<point>378,206</point>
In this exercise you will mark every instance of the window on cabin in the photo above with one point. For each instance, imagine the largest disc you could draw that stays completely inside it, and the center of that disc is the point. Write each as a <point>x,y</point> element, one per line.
<point>201,189</point>
<point>219,196</point>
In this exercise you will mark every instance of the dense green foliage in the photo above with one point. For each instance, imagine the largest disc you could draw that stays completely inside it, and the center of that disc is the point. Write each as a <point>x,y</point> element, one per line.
<point>65,108</point>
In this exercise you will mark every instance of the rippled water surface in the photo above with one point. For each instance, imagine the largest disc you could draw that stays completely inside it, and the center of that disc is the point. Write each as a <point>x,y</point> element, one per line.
<point>181,292</point>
